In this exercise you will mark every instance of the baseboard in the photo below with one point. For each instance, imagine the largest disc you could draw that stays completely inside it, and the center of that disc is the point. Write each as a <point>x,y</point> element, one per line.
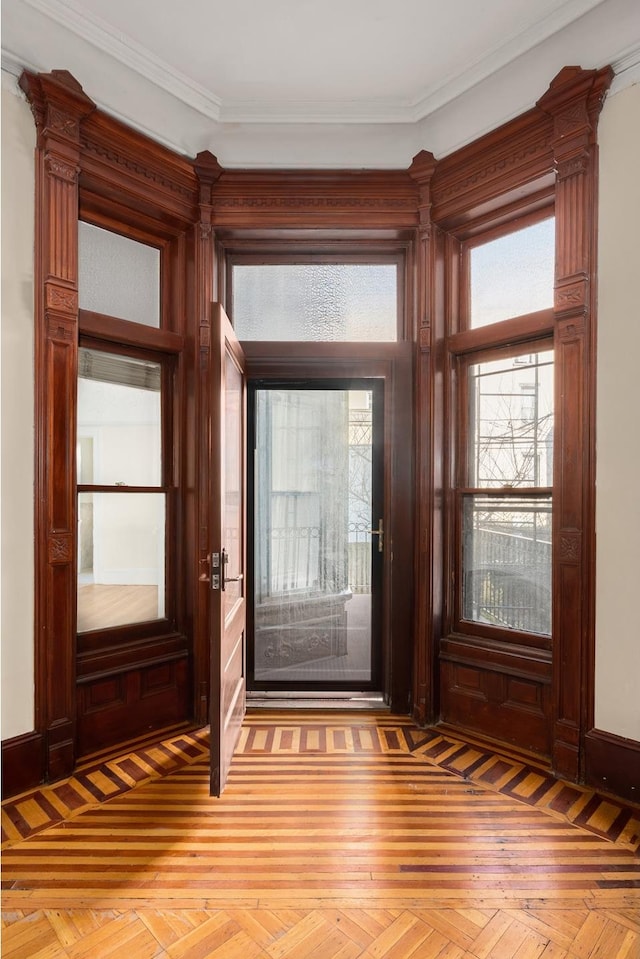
<point>22,763</point>
<point>612,764</point>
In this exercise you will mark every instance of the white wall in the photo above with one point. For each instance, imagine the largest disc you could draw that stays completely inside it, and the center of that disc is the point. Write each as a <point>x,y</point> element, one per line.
<point>16,509</point>
<point>618,420</point>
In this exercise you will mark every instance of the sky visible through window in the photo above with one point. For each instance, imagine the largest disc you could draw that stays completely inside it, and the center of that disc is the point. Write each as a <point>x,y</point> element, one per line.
<point>513,275</point>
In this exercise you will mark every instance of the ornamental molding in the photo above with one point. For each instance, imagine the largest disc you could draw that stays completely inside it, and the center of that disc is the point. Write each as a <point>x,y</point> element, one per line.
<point>61,298</point>
<point>571,295</point>
<point>61,170</point>
<point>572,120</point>
<point>539,147</point>
<point>570,546</point>
<point>205,336</point>
<point>573,166</point>
<point>424,337</point>
<point>314,202</point>
<point>64,329</point>
<point>570,330</point>
<point>134,168</point>
<point>59,549</point>
<point>62,123</point>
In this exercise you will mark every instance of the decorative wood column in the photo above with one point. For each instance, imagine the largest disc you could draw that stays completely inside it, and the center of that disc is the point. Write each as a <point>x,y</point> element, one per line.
<point>574,101</point>
<point>208,171</point>
<point>428,444</point>
<point>59,105</point>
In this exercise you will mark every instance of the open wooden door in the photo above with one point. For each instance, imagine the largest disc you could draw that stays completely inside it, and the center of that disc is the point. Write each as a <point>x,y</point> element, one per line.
<point>228,545</point>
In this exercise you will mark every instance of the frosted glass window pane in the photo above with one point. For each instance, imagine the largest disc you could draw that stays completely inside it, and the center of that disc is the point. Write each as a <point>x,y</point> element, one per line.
<point>118,276</point>
<point>507,562</point>
<point>513,275</point>
<point>316,301</point>
<point>511,421</point>
<point>119,420</point>
<point>121,562</point>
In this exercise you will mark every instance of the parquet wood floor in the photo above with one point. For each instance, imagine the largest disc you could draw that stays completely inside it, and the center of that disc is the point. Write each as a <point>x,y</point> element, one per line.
<point>339,835</point>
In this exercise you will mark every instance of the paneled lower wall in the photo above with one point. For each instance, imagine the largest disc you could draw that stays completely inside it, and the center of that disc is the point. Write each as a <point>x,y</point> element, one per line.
<point>112,709</point>
<point>498,692</point>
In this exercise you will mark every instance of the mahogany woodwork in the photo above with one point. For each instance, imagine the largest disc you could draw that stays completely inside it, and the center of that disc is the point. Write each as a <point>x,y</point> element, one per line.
<point>612,764</point>
<point>574,101</point>
<point>199,215</point>
<point>59,105</point>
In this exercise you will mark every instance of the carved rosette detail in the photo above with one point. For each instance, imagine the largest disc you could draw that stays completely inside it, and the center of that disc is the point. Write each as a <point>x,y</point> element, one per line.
<point>61,170</point>
<point>570,546</point>
<point>63,123</point>
<point>60,298</point>
<point>59,549</point>
<point>572,295</point>
<point>572,120</point>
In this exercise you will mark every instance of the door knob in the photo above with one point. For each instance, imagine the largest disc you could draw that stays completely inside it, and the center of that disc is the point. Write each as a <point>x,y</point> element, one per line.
<point>379,532</point>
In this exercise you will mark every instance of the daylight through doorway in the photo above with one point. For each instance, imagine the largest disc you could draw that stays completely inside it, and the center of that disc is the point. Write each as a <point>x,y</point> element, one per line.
<point>318,538</point>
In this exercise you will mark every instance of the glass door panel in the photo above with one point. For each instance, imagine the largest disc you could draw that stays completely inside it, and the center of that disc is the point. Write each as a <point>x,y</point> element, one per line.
<point>317,499</point>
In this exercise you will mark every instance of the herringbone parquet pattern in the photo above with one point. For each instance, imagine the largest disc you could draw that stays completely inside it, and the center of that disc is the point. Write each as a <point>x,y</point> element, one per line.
<point>338,836</point>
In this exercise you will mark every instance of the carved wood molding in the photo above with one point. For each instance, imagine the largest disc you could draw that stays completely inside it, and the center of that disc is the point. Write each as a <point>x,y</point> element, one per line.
<point>61,298</point>
<point>573,102</point>
<point>58,104</point>
<point>245,199</point>
<point>570,546</point>
<point>487,171</point>
<point>60,548</point>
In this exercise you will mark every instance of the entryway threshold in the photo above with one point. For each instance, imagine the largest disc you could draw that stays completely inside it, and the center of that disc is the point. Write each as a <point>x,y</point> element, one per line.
<point>258,699</point>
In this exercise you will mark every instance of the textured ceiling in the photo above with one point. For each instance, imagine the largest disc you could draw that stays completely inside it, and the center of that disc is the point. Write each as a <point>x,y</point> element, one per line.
<point>318,82</point>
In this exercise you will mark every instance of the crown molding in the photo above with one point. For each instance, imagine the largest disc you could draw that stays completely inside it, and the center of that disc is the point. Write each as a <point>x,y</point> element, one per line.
<point>94,30</point>
<point>130,53</point>
<point>500,56</point>
<point>626,69</point>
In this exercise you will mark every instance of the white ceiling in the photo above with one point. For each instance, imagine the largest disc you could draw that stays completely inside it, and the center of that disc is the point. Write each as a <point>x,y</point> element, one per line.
<point>322,83</point>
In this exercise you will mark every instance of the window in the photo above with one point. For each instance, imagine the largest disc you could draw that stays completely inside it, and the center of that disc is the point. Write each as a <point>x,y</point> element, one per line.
<point>505,494</point>
<point>122,489</point>
<point>513,274</point>
<point>316,301</point>
<point>504,445</point>
<point>118,276</point>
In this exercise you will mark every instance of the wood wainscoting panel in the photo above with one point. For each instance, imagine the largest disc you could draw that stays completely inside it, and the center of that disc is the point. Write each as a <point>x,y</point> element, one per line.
<point>495,703</point>
<point>613,764</point>
<point>113,709</point>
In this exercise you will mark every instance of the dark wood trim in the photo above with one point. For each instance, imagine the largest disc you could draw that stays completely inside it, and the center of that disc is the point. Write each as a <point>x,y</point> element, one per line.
<point>428,332</point>
<point>512,165</point>
<point>129,654</point>
<point>23,762</point>
<point>114,330</point>
<point>516,331</point>
<point>59,106</point>
<point>612,764</point>
<point>573,103</point>
<point>260,200</point>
